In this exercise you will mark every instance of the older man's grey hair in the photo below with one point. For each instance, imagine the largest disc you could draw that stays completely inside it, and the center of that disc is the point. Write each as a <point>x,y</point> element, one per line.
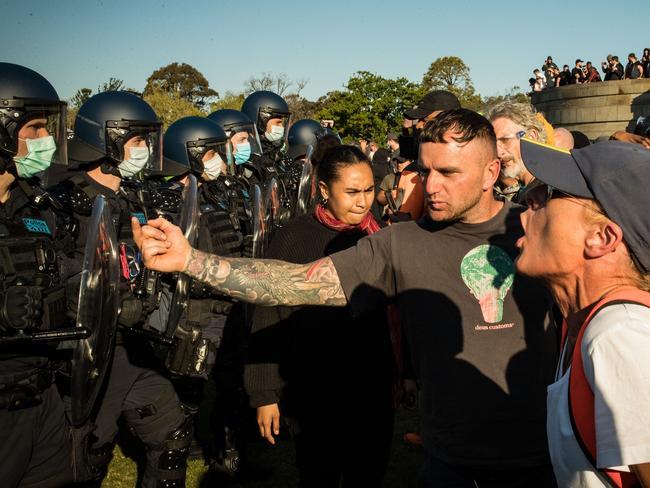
<point>520,113</point>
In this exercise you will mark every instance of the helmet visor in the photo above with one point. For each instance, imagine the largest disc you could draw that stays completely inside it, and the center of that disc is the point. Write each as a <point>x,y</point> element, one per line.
<point>42,119</point>
<point>242,134</point>
<point>272,118</point>
<point>149,132</point>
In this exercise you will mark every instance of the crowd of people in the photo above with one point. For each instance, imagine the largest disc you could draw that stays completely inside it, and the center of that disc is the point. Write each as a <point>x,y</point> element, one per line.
<point>495,266</point>
<point>550,75</point>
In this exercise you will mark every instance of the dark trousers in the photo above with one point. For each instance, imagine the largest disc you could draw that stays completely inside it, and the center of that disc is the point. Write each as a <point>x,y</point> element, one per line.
<point>131,389</point>
<point>35,450</point>
<point>345,445</point>
<point>438,474</point>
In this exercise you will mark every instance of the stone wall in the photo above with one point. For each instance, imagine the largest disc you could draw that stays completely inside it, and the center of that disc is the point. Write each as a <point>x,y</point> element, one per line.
<point>597,108</point>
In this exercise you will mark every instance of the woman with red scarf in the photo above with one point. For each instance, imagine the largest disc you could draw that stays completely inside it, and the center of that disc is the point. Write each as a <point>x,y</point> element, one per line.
<point>328,374</point>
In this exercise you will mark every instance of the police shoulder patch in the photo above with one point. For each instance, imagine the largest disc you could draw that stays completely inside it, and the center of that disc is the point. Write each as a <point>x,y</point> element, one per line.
<point>37,225</point>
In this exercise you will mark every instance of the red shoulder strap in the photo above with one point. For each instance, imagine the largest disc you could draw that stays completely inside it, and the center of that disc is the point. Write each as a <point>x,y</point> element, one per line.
<point>581,397</point>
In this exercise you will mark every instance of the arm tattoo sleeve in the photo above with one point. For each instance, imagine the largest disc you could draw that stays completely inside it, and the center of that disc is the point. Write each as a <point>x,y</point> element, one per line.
<point>268,282</point>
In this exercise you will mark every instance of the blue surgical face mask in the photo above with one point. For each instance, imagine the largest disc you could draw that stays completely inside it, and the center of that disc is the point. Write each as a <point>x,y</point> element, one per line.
<point>137,160</point>
<point>39,156</point>
<point>243,153</point>
<point>212,167</point>
<point>275,134</point>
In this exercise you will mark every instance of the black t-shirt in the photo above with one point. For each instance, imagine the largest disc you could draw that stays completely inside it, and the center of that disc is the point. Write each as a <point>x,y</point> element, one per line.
<point>577,75</point>
<point>632,70</point>
<point>480,336</point>
<point>318,357</point>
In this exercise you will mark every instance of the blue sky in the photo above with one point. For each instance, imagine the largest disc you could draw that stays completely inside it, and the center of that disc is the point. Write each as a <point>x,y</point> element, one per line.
<point>82,43</point>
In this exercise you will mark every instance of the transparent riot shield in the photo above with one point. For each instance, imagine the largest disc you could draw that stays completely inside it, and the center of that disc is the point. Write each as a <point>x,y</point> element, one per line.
<point>97,312</point>
<point>273,206</point>
<point>259,222</point>
<point>188,221</point>
<point>304,200</point>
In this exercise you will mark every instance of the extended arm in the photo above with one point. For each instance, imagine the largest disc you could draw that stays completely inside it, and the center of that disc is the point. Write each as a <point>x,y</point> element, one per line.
<point>268,282</point>
<point>259,281</point>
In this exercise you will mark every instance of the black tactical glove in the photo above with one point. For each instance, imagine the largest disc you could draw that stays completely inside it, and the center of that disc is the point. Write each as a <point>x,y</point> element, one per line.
<point>21,307</point>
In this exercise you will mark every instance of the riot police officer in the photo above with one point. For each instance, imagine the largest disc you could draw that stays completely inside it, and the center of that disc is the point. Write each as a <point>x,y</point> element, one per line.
<point>192,144</point>
<point>305,135</point>
<point>271,115</point>
<point>35,450</point>
<point>117,137</point>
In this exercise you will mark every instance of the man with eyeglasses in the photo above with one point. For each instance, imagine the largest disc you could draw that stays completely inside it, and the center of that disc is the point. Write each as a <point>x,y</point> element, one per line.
<point>586,237</point>
<point>511,122</point>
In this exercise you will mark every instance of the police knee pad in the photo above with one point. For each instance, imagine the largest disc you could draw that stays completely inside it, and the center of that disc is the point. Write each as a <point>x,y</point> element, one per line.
<point>150,422</point>
<point>172,462</point>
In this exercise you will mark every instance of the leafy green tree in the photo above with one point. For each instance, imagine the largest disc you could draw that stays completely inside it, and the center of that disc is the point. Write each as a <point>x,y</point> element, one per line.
<point>513,95</point>
<point>113,84</point>
<point>170,106</point>
<point>79,98</point>
<point>229,100</point>
<point>370,106</point>
<point>452,74</point>
<point>183,81</point>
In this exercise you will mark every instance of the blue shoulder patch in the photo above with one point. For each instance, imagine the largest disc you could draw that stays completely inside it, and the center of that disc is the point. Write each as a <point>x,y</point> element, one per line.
<point>140,216</point>
<point>37,225</point>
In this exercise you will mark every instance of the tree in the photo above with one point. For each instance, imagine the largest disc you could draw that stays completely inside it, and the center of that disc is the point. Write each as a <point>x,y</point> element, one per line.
<point>370,106</point>
<point>79,98</point>
<point>452,74</point>
<point>266,81</point>
<point>513,95</point>
<point>229,100</point>
<point>170,106</point>
<point>113,84</point>
<point>183,81</point>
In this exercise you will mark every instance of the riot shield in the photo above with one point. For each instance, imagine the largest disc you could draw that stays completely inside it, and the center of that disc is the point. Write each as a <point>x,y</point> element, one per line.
<point>259,222</point>
<point>188,221</point>
<point>273,205</point>
<point>97,311</point>
<point>303,199</point>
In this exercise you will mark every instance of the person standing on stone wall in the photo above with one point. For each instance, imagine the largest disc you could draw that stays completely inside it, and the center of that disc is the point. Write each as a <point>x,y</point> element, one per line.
<point>633,68</point>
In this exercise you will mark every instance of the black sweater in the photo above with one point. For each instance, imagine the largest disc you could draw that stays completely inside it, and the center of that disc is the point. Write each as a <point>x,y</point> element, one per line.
<point>313,354</point>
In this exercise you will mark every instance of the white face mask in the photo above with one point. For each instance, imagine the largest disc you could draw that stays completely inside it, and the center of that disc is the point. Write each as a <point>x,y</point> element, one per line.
<point>138,159</point>
<point>212,167</point>
<point>275,134</point>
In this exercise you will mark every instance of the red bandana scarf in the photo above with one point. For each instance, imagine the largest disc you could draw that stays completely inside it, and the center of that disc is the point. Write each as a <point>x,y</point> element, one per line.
<point>368,225</point>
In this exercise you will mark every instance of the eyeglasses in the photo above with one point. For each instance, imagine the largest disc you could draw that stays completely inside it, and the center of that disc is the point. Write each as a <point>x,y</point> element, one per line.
<point>506,139</point>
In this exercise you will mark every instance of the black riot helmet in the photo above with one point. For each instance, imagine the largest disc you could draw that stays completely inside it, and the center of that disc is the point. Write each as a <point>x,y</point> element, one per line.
<point>187,141</point>
<point>262,106</point>
<point>237,126</point>
<point>108,121</point>
<point>26,100</point>
<point>304,133</point>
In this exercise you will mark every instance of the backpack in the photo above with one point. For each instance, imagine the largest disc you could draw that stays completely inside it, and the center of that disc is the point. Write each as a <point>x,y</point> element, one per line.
<point>581,397</point>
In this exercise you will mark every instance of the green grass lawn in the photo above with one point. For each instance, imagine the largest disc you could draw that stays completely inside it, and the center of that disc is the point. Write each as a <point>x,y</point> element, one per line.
<point>276,464</point>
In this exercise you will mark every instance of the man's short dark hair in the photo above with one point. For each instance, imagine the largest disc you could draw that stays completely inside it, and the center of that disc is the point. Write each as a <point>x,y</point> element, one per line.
<point>466,123</point>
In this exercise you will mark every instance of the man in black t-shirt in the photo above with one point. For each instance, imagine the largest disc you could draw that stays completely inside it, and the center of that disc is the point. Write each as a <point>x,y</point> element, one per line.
<point>633,68</point>
<point>577,73</point>
<point>481,339</point>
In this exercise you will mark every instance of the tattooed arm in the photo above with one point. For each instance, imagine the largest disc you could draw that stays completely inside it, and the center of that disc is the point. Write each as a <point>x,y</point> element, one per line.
<point>268,282</point>
<point>259,281</point>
